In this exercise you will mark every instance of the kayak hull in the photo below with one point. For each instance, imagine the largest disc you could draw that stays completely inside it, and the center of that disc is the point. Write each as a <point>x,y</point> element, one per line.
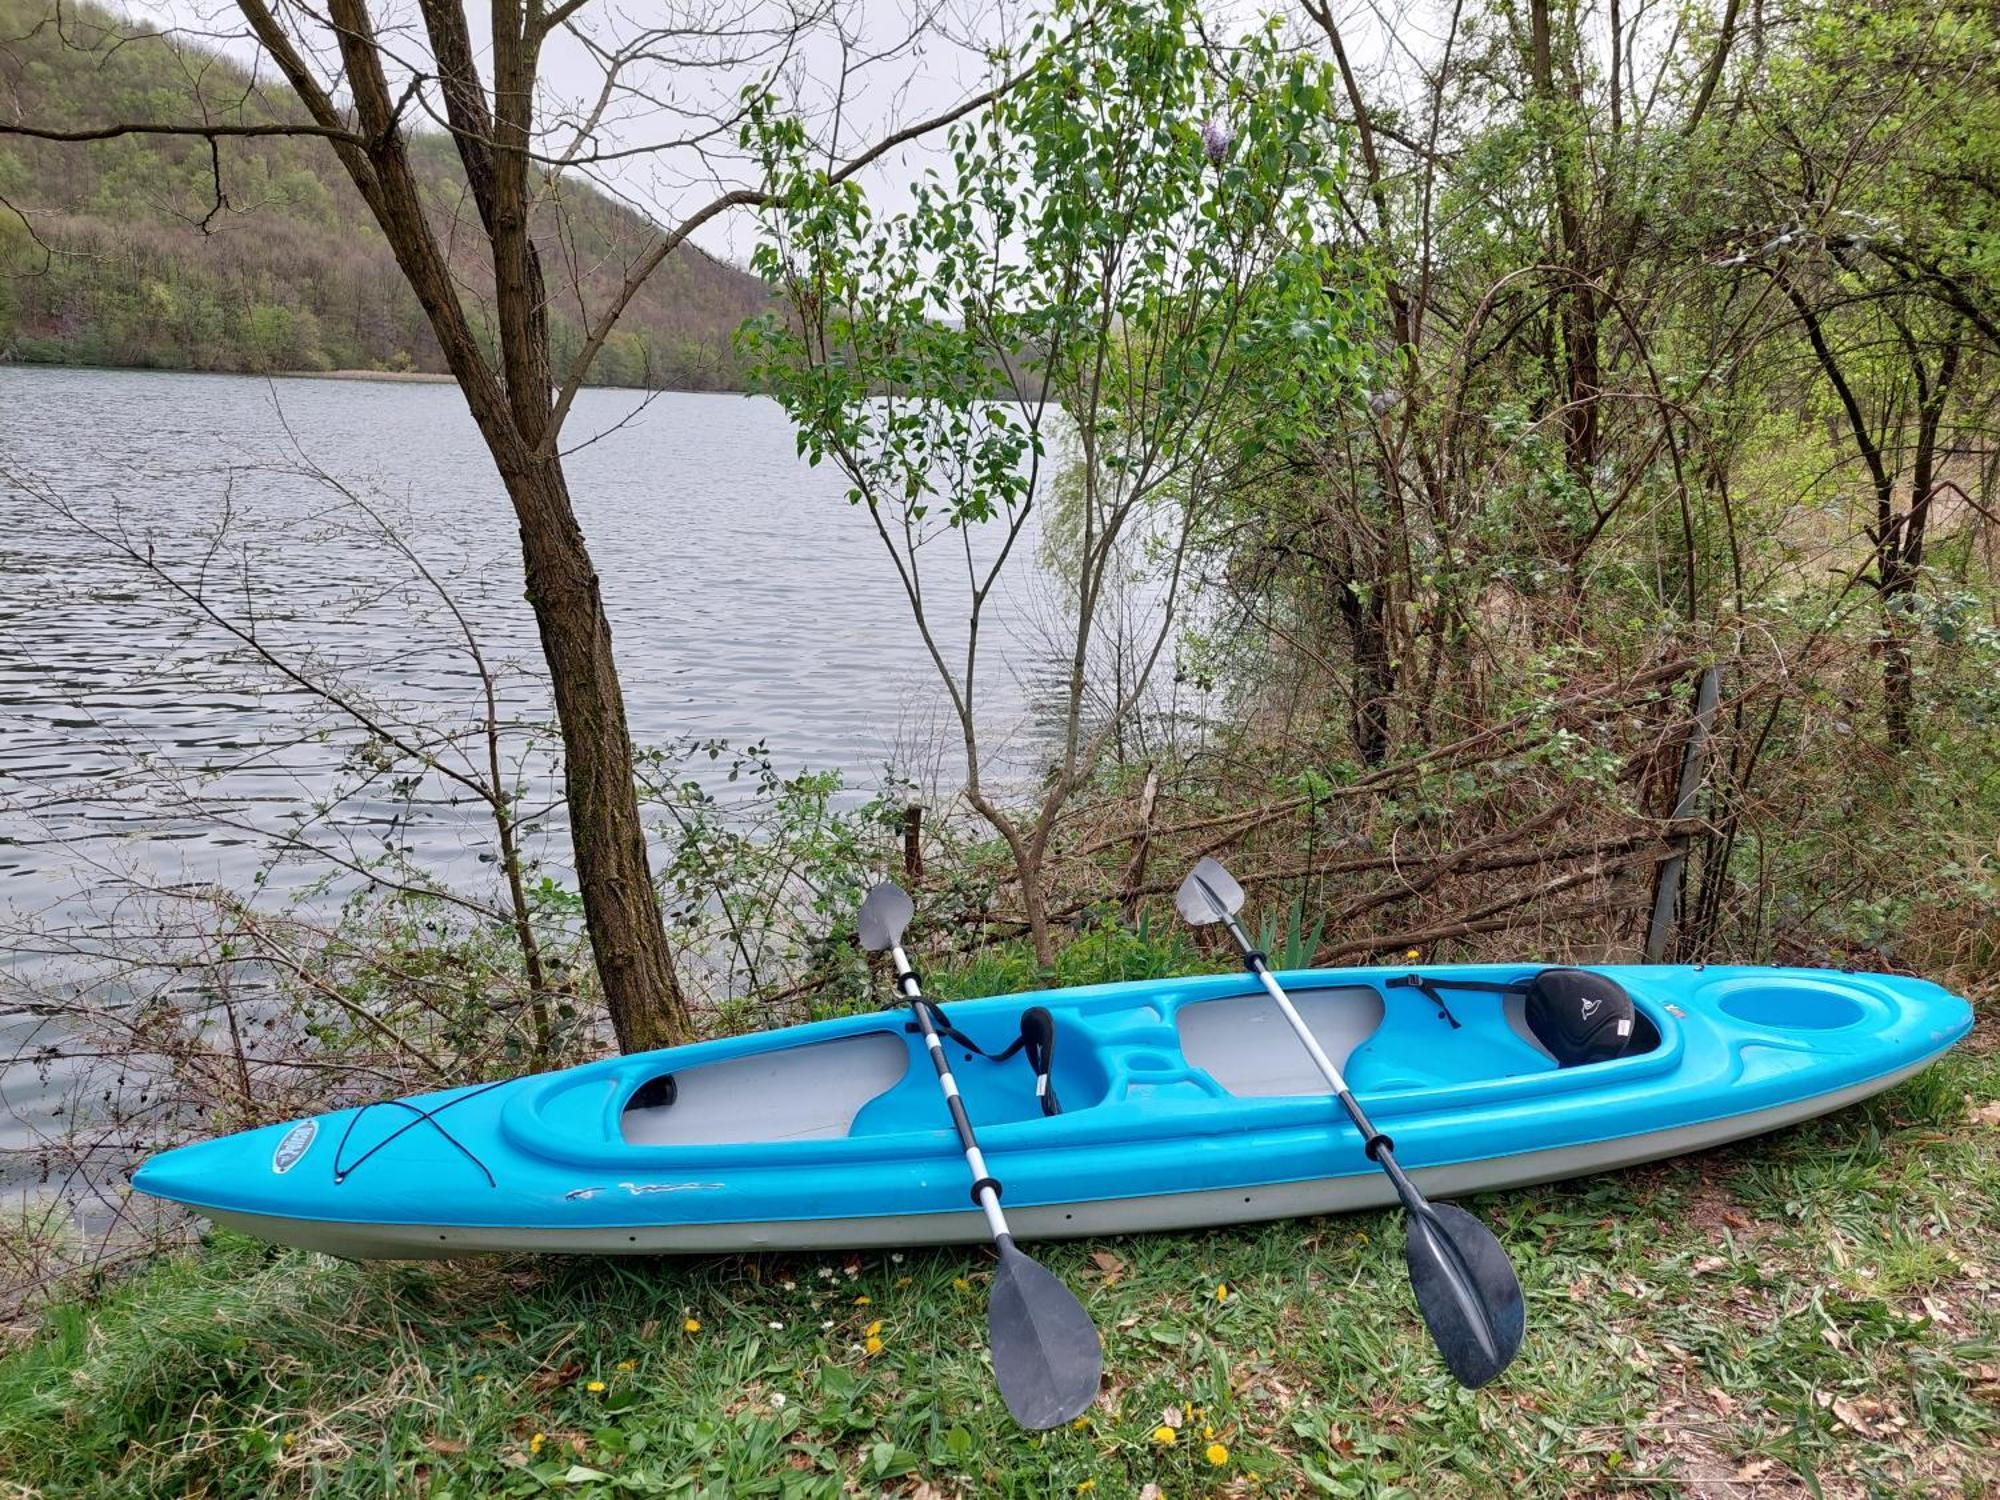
<point>1185,1105</point>
<point>1140,1214</point>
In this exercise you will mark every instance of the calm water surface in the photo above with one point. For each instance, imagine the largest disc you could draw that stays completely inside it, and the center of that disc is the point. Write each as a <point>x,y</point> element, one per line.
<point>747,599</point>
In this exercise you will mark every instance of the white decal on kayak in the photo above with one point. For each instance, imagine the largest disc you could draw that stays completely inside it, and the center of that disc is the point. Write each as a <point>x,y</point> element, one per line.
<point>295,1144</point>
<point>639,1189</point>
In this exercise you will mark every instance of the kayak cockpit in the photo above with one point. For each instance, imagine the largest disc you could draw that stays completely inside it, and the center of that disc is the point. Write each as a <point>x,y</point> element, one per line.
<point>869,1084</point>
<point>807,1093</point>
<point>873,1083</point>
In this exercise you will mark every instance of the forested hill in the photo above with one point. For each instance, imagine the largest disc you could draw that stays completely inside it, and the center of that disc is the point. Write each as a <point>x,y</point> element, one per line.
<point>117,253</point>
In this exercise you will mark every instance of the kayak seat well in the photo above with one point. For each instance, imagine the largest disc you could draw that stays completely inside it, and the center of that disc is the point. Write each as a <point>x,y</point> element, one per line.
<point>804,1093</point>
<point>994,1092</point>
<point>1245,1044</point>
<point>1382,1044</point>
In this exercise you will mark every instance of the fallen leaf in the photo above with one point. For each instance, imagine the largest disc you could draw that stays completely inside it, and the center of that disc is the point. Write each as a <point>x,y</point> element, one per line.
<point>446,1446</point>
<point>1723,1401</point>
<point>1736,1220</point>
<point>1709,1264</point>
<point>1987,1114</point>
<point>1756,1469</point>
<point>549,1379</point>
<point>1108,1263</point>
<point>1857,1415</point>
<point>1173,1416</point>
<point>1150,1491</point>
<point>1939,1312</point>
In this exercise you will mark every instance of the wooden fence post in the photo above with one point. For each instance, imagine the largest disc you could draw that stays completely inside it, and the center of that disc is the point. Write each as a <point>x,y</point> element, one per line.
<point>913,841</point>
<point>1667,889</point>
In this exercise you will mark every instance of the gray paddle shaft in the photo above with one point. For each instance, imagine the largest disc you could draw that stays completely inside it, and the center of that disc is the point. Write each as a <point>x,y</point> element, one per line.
<point>911,990</point>
<point>1297,1022</point>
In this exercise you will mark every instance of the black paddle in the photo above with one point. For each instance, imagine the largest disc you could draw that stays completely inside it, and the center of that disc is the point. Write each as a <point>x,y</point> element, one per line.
<point>1046,1355</point>
<point>1465,1285</point>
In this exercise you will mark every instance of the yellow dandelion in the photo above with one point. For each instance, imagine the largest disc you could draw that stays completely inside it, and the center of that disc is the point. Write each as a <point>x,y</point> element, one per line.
<point>628,1365</point>
<point>1216,1454</point>
<point>874,1345</point>
<point>535,1442</point>
<point>862,1300</point>
<point>1165,1436</point>
<point>960,1284</point>
<point>692,1325</point>
<point>1086,1487</point>
<point>1206,1431</point>
<point>1081,1422</point>
<point>290,1438</point>
<point>595,1387</point>
<point>1410,954</point>
<point>873,1328</point>
<point>1222,1292</point>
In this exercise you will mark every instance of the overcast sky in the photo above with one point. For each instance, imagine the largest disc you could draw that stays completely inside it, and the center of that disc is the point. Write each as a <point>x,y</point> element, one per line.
<point>856,73</point>
<point>857,69</point>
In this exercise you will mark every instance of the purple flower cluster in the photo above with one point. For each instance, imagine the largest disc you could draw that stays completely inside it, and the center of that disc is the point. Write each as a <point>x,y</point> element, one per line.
<point>1216,139</point>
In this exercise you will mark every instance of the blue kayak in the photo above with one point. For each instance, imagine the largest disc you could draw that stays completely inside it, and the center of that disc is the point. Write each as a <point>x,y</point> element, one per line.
<point>1159,1104</point>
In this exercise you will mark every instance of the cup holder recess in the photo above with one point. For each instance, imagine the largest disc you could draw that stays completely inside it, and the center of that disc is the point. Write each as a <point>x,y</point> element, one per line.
<point>1791,1007</point>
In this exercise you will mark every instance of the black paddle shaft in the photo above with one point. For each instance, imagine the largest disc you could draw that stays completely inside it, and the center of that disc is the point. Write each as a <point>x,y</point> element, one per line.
<point>1047,1357</point>
<point>985,1187</point>
<point>1465,1286</point>
<point>1373,1142</point>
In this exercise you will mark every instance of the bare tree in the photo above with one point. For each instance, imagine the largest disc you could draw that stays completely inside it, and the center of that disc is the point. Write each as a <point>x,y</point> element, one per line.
<point>365,83</point>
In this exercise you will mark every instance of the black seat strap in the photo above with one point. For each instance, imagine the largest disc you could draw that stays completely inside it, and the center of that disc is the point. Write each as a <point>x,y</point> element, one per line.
<point>1037,1040</point>
<point>1429,988</point>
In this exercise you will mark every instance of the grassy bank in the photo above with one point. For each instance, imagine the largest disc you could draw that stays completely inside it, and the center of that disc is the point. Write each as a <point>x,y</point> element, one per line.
<point>1815,1312</point>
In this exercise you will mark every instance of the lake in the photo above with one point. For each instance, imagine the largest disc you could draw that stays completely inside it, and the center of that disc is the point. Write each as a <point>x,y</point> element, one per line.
<point>747,599</point>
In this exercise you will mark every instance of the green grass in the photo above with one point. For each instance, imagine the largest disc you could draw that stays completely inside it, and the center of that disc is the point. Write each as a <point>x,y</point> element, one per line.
<point>1818,1312</point>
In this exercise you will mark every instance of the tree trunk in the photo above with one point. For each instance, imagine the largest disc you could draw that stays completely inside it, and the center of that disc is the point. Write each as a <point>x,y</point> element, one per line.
<point>1035,904</point>
<point>627,937</point>
<point>1374,669</point>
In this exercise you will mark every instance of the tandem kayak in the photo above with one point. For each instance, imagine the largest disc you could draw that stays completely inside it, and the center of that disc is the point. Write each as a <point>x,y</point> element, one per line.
<point>1150,1105</point>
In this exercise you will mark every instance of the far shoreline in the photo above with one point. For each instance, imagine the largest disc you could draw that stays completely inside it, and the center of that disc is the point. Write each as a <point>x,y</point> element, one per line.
<point>418,377</point>
<point>391,377</point>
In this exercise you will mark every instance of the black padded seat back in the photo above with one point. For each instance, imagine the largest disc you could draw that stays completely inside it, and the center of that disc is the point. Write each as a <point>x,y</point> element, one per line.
<point>1580,1017</point>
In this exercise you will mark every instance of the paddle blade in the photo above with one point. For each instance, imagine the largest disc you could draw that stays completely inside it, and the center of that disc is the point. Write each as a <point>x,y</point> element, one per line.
<point>1467,1291</point>
<point>885,911</point>
<point>1209,894</point>
<point>1046,1354</point>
